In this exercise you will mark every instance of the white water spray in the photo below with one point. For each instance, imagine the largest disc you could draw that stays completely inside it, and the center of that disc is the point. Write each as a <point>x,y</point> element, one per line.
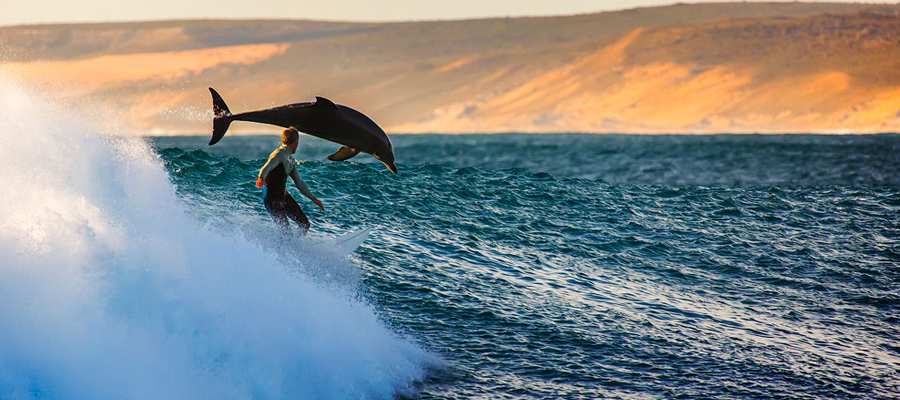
<point>108,290</point>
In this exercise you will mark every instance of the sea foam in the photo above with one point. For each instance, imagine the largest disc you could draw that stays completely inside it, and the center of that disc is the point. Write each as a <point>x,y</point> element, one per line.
<point>109,290</point>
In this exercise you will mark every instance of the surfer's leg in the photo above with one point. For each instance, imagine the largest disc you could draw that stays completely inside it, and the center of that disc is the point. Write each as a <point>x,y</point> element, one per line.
<point>277,210</point>
<point>293,210</point>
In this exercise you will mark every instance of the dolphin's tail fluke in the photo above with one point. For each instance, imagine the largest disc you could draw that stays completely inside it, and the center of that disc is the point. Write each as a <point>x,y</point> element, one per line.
<point>222,118</point>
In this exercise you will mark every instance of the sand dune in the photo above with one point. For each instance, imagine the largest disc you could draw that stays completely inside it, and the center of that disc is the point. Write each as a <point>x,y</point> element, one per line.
<point>777,67</point>
<point>97,72</point>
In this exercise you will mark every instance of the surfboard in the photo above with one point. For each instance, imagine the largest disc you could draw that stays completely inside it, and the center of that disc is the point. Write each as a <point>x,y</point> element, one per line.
<point>348,242</point>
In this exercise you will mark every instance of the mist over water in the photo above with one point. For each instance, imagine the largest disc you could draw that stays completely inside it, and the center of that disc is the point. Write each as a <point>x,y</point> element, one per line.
<point>110,290</point>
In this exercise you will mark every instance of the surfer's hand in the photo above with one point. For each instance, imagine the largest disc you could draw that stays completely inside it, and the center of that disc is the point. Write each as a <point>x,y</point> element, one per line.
<point>260,182</point>
<point>319,203</point>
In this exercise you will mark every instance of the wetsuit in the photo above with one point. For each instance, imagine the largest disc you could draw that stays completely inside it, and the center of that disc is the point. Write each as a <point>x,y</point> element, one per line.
<point>278,202</point>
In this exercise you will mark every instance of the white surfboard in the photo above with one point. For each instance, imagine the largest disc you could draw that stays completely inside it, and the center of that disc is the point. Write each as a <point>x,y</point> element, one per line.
<point>348,242</point>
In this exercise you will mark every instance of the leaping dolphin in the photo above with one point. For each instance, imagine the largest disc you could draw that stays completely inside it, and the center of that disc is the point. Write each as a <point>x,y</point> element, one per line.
<point>323,119</point>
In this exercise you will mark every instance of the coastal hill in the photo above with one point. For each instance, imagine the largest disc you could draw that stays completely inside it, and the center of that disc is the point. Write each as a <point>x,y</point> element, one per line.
<point>706,68</point>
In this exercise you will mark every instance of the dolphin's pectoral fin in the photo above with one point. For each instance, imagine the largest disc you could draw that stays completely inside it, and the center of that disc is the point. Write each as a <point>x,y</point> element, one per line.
<point>343,153</point>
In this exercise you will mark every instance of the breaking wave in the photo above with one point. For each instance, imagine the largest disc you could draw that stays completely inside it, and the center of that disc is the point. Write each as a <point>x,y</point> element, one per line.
<point>109,289</point>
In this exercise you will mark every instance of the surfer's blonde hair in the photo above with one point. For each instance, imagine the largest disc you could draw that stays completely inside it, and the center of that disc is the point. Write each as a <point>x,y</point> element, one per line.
<point>290,135</point>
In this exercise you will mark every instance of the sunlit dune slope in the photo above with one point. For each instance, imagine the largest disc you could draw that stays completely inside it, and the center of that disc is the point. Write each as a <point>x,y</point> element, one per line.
<point>776,67</point>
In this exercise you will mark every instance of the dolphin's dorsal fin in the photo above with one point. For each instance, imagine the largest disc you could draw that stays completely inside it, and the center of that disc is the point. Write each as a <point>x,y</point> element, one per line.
<point>323,102</point>
<point>343,153</point>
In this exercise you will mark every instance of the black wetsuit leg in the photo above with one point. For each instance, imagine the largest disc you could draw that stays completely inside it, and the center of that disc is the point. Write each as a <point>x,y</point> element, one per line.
<point>294,212</point>
<point>276,210</point>
<point>280,204</point>
<point>284,208</point>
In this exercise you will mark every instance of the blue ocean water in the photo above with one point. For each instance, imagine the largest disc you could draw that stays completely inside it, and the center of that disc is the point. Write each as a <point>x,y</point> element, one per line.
<point>499,267</point>
<point>610,266</point>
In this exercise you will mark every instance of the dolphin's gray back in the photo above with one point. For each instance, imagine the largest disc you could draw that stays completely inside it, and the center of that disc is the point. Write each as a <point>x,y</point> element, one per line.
<point>375,138</point>
<point>323,119</point>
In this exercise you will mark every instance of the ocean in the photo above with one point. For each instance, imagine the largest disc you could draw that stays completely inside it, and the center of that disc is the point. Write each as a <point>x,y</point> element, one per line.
<point>508,266</point>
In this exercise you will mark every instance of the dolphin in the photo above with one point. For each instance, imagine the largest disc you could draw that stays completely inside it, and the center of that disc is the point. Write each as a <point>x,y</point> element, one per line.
<point>322,119</point>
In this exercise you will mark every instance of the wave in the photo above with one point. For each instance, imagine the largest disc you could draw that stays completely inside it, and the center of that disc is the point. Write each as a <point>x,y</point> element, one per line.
<point>109,289</point>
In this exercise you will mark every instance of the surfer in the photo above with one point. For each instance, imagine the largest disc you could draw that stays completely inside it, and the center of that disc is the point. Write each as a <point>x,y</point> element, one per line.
<point>273,176</point>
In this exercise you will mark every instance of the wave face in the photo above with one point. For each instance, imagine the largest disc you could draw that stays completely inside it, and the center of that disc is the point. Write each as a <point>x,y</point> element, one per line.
<point>109,289</point>
<point>584,267</point>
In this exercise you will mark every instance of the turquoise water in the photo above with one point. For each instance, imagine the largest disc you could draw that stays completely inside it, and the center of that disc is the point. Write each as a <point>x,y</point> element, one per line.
<point>593,266</point>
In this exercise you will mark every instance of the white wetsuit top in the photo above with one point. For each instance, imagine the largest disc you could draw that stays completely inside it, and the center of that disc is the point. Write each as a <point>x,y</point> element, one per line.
<point>282,157</point>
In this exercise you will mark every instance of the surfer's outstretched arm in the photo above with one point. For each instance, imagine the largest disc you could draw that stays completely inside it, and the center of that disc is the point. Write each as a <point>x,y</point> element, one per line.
<point>301,186</point>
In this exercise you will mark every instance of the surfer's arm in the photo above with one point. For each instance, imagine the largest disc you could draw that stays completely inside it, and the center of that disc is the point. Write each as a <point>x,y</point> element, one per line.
<point>301,186</point>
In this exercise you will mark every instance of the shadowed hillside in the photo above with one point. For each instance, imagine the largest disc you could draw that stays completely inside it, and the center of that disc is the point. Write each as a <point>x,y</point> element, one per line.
<point>735,67</point>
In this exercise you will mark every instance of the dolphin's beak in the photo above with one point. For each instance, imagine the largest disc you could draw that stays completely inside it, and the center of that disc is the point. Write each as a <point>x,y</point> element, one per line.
<point>390,166</point>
